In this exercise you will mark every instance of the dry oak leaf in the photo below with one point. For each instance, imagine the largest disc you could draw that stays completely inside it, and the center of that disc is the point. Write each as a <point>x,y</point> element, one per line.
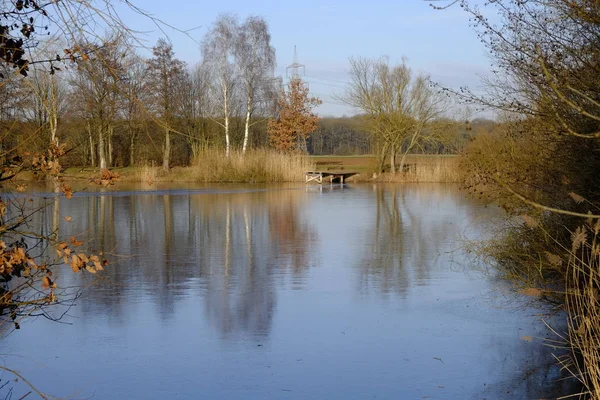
<point>46,282</point>
<point>90,269</point>
<point>76,263</point>
<point>75,242</point>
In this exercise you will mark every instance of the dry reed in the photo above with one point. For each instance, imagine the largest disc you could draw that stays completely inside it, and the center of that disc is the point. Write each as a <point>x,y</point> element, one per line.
<point>434,169</point>
<point>148,174</point>
<point>260,165</point>
<point>583,308</point>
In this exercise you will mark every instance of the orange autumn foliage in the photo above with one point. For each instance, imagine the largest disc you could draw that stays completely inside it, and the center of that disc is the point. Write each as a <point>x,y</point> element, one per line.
<point>296,118</point>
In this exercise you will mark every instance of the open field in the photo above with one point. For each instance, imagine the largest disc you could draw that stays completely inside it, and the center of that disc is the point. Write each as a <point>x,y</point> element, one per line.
<point>362,164</point>
<point>417,168</point>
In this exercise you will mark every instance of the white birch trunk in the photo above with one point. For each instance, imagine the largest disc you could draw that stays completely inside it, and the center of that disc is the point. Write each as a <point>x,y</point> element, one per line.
<point>247,125</point>
<point>92,149</point>
<point>226,112</point>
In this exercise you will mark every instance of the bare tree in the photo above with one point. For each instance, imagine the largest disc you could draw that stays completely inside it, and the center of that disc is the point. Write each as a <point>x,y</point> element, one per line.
<point>135,96</point>
<point>255,60</point>
<point>397,106</point>
<point>217,51</point>
<point>14,97</point>
<point>48,92</point>
<point>195,107</point>
<point>165,71</point>
<point>96,91</point>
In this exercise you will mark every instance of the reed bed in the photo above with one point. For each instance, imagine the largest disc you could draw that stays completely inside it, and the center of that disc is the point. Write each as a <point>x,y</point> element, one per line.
<point>148,174</point>
<point>255,166</point>
<point>438,169</point>
<point>583,308</point>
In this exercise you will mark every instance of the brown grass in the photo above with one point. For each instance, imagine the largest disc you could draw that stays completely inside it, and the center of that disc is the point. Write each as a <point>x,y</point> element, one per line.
<point>261,165</point>
<point>256,166</point>
<point>418,168</point>
<point>427,169</point>
<point>148,174</point>
<point>264,165</point>
<point>361,164</point>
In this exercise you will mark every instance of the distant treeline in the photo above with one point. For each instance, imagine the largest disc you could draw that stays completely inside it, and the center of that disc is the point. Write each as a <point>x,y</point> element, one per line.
<point>346,136</point>
<point>139,142</point>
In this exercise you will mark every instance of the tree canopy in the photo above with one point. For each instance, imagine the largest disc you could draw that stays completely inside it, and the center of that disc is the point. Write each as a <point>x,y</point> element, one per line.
<point>296,119</point>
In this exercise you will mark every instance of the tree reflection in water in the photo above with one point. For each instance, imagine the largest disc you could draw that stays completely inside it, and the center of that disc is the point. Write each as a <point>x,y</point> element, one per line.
<point>208,277</point>
<point>230,249</point>
<point>412,224</point>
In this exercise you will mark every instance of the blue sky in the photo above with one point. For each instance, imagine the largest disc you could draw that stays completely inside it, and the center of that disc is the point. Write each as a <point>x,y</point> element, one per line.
<point>326,33</point>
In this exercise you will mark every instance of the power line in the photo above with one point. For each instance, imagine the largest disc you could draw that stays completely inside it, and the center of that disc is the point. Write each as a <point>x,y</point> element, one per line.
<point>329,79</point>
<point>326,84</point>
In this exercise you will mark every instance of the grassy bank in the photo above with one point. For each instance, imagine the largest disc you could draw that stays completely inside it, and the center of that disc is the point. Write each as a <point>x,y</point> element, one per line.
<point>256,166</point>
<point>263,166</point>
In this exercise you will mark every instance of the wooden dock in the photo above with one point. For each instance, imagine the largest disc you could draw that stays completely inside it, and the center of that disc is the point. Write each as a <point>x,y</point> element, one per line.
<point>327,176</point>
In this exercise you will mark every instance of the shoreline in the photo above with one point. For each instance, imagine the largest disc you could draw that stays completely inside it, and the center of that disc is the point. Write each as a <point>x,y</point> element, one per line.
<point>417,169</point>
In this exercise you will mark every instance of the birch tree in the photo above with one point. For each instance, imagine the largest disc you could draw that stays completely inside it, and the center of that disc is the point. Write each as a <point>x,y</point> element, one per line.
<point>217,50</point>
<point>255,60</point>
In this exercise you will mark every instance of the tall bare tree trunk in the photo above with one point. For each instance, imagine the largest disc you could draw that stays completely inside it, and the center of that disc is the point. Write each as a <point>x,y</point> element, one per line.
<point>52,109</point>
<point>393,159</point>
<point>413,141</point>
<point>303,146</point>
<point>92,149</point>
<point>131,147</point>
<point>109,144</point>
<point>167,149</point>
<point>101,148</point>
<point>402,161</point>
<point>247,125</point>
<point>226,112</point>
<point>53,127</point>
<point>382,151</point>
<point>227,144</point>
<point>246,132</point>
